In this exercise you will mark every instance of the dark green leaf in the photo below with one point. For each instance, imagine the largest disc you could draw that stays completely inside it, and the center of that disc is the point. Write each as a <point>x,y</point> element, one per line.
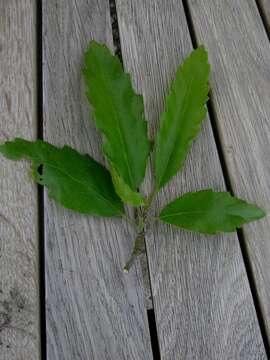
<point>184,112</point>
<point>77,181</point>
<point>210,212</point>
<point>118,113</point>
<point>127,195</point>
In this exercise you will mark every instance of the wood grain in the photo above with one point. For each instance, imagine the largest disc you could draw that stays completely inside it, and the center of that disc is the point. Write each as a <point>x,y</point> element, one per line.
<point>239,52</point>
<point>19,275</point>
<point>202,300</point>
<point>264,6</point>
<point>94,310</point>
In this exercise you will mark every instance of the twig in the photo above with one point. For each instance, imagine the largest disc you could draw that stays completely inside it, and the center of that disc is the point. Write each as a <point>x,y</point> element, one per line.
<point>137,250</point>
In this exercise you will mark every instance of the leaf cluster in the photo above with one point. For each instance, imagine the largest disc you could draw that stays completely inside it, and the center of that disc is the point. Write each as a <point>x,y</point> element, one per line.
<point>80,183</point>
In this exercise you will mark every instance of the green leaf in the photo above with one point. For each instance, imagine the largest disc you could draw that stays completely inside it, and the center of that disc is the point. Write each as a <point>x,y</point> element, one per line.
<point>127,195</point>
<point>184,111</point>
<point>209,212</point>
<point>118,114</point>
<point>76,181</point>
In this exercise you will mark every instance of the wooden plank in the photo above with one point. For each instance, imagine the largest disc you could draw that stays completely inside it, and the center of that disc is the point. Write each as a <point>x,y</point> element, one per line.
<point>264,6</point>
<point>19,279</point>
<point>239,52</point>
<point>94,310</point>
<point>202,300</point>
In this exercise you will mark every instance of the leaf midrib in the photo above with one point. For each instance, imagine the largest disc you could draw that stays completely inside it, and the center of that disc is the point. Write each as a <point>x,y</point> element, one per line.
<point>119,128</point>
<point>175,142</point>
<point>76,180</point>
<point>183,213</point>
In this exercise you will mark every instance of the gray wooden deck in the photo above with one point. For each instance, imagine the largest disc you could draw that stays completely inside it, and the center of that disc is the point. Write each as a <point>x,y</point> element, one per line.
<point>63,295</point>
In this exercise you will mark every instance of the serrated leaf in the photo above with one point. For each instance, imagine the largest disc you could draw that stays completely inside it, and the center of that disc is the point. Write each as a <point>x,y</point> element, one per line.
<point>210,212</point>
<point>76,181</point>
<point>184,111</point>
<point>118,113</point>
<point>127,195</point>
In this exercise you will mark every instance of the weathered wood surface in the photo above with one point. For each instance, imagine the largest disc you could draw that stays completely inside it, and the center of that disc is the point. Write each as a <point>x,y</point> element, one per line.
<point>94,310</point>
<point>264,6</point>
<point>202,300</point>
<point>239,52</point>
<point>19,275</point>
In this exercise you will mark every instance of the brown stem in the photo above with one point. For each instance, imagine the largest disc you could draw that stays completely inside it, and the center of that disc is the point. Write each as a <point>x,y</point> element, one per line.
<point>137,250</point>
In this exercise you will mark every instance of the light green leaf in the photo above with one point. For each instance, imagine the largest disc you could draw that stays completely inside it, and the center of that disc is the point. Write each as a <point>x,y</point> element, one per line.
<point>127,195</point>
<point>76,181</point>
<point>210,212</point>
<point>118,114</point>
<point>184,111</point>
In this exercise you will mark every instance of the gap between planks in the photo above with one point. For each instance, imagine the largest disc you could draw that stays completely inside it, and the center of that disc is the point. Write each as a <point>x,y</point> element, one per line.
<point>39,86</point>
<point>212,117</point>
<point>143,257</point>
<point>252,19</point>
<point>264,10</point>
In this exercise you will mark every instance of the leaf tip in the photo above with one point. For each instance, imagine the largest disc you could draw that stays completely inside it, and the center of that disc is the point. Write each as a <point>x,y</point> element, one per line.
<point>261,212</point>
<point>94,44</point>
<point>9,149</point>
<point>2,147</point>
<point>202,49</point>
